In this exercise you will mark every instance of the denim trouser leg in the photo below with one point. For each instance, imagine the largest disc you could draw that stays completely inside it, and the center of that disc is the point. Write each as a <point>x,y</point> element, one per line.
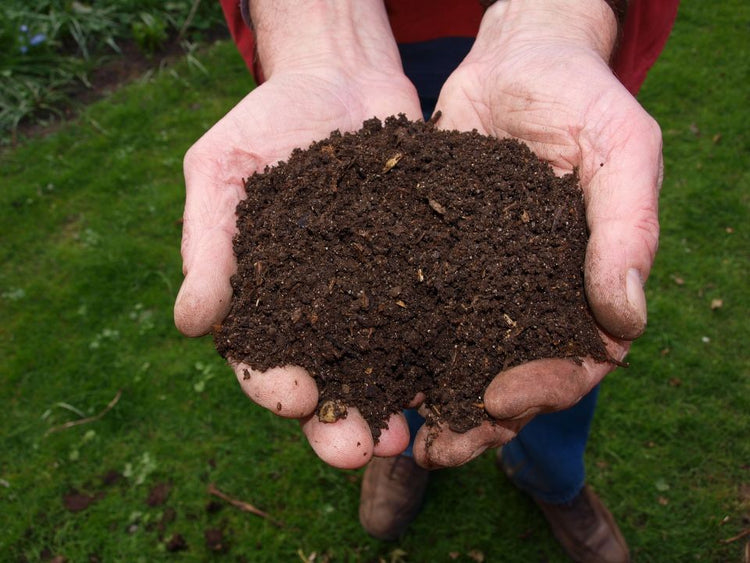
<point>546,458</point>
<point>415,421</point>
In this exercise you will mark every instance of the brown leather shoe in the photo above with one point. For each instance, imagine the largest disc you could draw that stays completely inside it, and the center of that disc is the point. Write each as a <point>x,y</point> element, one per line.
<point>584,527</point>
<point>392,492</point>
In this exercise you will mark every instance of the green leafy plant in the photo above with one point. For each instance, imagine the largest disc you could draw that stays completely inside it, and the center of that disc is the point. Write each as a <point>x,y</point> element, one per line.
<point>149,32</point>
<point>48,48</point>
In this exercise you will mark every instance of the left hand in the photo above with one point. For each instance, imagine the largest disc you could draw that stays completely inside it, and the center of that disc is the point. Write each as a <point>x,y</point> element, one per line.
<point>324,71</point>
<point>538,72</point>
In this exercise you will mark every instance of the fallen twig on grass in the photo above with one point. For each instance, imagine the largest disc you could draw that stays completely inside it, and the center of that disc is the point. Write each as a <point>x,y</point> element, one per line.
<point>742,534</point>
<point>244,506</point>
<point>87,419</point>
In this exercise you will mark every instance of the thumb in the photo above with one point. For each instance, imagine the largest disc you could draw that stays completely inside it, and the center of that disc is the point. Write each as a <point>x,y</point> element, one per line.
<point>622,213</point>
<point>205,295</point>
<point>208,259</point>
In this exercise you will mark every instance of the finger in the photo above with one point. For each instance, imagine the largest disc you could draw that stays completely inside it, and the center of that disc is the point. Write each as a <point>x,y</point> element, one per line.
<point>288,391</point>
<point>346,443</point>
<point>622,212</point>
<point>416,401</point>
<point>394,439</point>
<point>438,446</point>
<point>541,386</point>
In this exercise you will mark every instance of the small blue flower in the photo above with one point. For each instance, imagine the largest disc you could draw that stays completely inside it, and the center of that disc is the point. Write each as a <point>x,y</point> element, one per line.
<point>24,49</point>
<point>24,28</point>
<point>38,39</point>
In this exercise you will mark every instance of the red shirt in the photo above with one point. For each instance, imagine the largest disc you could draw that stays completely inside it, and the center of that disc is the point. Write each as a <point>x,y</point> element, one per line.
<point>647,27</point>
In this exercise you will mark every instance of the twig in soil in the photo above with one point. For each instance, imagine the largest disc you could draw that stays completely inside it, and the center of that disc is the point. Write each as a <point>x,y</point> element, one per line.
<point>618,363</point>
<point>88,419</point>
<point>244,506</point>
<point>742,534</point>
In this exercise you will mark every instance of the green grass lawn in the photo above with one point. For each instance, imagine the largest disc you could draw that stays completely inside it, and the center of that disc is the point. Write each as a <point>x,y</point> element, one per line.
<point>90,230</point>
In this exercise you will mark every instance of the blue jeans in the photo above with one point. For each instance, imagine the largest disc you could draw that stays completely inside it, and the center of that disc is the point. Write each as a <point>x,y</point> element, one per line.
<point>546,458</point>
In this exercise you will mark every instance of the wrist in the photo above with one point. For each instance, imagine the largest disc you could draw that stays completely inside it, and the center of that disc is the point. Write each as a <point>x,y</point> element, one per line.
<point>305,34</point>
<point>585,24</point>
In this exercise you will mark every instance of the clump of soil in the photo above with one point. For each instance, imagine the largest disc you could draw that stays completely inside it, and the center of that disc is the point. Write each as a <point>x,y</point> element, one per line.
<point>401,259</point>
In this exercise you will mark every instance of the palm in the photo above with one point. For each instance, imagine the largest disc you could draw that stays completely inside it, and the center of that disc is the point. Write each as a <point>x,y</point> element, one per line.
<point>572,112</point>
<point>557,105</point>
<point>265,127</point>
<point>294,109</point>
<point>289,111</point>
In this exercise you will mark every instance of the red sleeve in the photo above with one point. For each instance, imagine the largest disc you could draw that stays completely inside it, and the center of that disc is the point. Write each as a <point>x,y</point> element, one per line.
<point>242,36</point>
<point>647,27</point>
<point>422,20</point>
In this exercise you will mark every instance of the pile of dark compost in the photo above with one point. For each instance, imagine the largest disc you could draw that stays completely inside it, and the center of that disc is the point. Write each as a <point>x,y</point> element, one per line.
<point>403,259</point>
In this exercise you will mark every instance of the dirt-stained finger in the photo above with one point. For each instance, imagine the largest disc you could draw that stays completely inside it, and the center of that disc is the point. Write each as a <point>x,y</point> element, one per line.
<point>438,446</point>
<point>346,443</point>
<point>287,391</point>
<point>394,439</point>
<point>541,386</point>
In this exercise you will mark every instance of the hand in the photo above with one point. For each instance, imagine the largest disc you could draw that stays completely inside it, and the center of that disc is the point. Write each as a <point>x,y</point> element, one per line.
<point>324,73</point>
<point>538,72</point>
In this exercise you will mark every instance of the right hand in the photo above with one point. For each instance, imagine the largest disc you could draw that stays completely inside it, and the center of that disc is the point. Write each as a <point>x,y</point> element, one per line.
<point>304,99</point>
<point>538,72</point>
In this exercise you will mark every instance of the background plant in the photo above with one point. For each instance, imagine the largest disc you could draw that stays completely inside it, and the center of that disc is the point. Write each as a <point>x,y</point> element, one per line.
<point>48,48</point>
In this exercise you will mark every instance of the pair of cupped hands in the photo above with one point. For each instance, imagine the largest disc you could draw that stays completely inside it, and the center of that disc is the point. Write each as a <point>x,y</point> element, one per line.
<point>555,92</point>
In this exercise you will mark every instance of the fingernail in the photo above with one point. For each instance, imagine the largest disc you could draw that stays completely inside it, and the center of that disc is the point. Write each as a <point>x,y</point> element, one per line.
<point>636,296</point>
